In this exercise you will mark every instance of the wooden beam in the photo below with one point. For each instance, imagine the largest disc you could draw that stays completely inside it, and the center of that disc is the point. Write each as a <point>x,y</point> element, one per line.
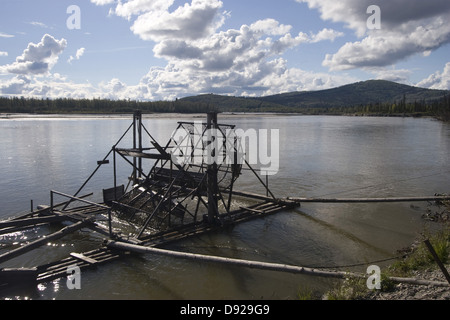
<point>252,210</point>
<point>137,154</point>
<point>82,257</point>
<point>252,195</point>
<point>31,221</point>
<point>369,200</point>
<point>44,240</point>
<point>259,265</point>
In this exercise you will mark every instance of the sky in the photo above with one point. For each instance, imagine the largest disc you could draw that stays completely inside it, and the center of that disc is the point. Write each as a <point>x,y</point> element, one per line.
<point>151,50</point>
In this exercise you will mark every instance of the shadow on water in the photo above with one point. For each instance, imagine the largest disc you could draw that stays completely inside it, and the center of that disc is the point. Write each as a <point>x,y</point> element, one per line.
<point>342,232</point>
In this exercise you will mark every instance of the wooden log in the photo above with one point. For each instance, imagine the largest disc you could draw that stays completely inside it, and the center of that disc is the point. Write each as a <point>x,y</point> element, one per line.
<point>228,261</point>
<point>31,221</point>
<point>369,200</point>
<point>438,261</point>
<point>252,195</point>
<point>82,257</point>
<point>257,264</point>
<point>35,244</point>
<point>252,210</point>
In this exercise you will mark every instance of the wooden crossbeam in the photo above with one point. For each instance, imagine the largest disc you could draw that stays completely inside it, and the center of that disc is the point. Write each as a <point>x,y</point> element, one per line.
<point>82,257</point>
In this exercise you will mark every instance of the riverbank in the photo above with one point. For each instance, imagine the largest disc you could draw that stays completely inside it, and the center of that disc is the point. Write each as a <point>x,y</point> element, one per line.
<point>182,116</point>
<point>417,263</point>
<point>230,115</point>
<point>403,291</point>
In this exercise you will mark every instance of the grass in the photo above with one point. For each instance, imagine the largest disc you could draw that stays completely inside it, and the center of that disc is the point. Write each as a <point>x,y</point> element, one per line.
<point>421,257</point>
<point>418,259</point>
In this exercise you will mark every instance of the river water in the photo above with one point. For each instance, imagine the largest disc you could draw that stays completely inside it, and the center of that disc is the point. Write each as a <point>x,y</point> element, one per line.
<point>320,156</point>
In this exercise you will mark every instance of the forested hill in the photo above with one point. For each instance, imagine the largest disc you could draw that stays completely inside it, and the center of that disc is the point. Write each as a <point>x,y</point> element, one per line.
<point>370,97</point>
<point>359,94</point>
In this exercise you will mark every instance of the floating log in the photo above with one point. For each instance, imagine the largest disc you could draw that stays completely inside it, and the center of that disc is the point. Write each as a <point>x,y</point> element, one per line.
<point>35,244</point>
<point>260,265</point>
<point>369,200</point>
<point>32,221</point>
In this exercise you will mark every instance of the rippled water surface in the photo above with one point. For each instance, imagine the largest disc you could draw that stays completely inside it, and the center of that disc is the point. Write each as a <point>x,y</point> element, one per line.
<point>319,156</point>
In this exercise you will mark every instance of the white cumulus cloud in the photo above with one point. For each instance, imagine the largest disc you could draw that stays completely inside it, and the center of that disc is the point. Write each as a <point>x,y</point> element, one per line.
<point>438,80</point>
<point>37,59</point>
<point>78,55</point>
<point>408,27</point>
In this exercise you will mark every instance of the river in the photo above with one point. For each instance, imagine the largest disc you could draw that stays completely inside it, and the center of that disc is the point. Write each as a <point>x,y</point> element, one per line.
<point>320,156</point>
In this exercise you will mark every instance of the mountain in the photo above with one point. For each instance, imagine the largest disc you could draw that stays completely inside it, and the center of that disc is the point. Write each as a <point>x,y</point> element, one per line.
<point>356,94</point>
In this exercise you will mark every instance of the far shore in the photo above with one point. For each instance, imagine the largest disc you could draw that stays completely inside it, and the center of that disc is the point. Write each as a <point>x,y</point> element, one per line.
<point>6,116</point>
<point>230,115</point>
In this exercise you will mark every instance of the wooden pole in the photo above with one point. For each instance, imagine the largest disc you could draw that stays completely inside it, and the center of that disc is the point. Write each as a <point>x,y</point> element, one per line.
<point>260,180</point>
<point>32,221</point>
<point>98,167</point>
<point>368,200</point>
<point>35,244</point>
<point>77,199</point>
<point>438,261</point>
<point>212,170</point>
<point>258,265</point>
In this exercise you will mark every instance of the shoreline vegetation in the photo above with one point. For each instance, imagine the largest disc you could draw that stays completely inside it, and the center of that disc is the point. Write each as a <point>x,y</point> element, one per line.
<point>367,98</point>
<point>405,107</point>
<point>416,262</point>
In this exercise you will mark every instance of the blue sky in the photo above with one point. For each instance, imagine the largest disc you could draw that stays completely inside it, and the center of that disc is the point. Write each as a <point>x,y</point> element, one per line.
<point>167,49</point>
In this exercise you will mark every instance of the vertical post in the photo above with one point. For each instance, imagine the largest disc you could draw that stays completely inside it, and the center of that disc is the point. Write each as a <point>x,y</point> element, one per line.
<point>110,223</point>
<point>139,120</point>
<point>134,148</point>
<point>170,193</point>
<point>51,201</point>
<point>115,174</point>
<point>137,143</point>
<point>212,169</point>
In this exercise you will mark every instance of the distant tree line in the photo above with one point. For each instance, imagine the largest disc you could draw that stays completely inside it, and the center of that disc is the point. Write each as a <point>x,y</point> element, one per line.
<point>97,106</point>
<point>438,108</point>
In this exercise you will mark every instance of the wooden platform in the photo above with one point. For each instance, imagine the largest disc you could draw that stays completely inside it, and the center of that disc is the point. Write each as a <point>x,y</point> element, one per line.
<point>259,210</point>
<point>84,261</point>
<point>102,255</point>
